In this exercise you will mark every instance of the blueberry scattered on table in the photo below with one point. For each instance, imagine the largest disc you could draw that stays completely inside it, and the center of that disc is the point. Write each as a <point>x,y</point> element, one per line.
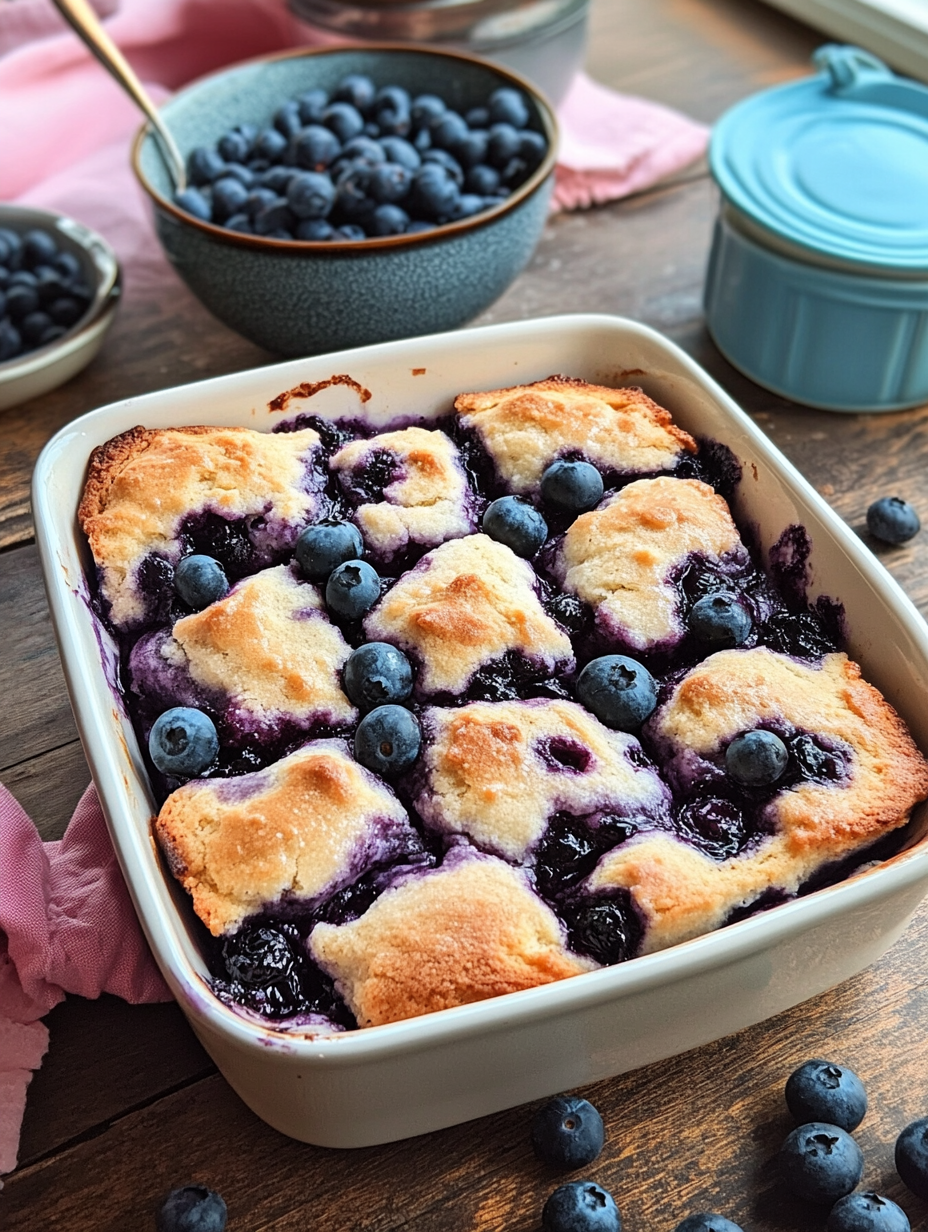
<point>571,487</point>
<point>820,1162</point>
<point>618,690</point>
<point>377,673</point>
<point>822,1091</point>
<point>756,758</point>
<point>568,1133</point>
<point>322,547</point>
<point>183,742</point>
<point>912,1157</point>
<point>893,520</point>
<point>43,292</point>
<point>352,589</point>
<point>581,1206</point>
<point>517,524</point>
<point>194,1208</point>
<point>365,148</point>
<point>706,1221</point>
<point>200,581</point>
<point>720,621</point>
<point>867,1212</point>
<point>387,740</point>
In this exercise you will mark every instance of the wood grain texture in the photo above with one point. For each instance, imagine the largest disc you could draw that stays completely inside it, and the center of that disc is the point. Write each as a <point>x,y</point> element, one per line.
<point>49,787</point>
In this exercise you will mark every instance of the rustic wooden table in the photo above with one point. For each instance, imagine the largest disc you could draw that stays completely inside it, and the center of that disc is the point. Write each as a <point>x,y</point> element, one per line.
<point>127,1104</point>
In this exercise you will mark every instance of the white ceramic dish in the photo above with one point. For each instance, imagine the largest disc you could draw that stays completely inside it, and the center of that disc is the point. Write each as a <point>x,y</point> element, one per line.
<point>405,1078</point>
<point>46,368</point>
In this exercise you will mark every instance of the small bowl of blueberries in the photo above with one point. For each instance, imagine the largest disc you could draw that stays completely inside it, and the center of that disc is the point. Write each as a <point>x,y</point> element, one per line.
<point>339,196</point>
<point>59,290</point>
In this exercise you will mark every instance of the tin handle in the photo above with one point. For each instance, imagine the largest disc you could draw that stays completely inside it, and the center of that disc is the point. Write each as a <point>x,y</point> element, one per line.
<point>855,74</point>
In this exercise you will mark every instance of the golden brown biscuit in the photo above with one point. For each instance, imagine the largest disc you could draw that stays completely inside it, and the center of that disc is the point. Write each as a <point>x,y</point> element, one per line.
<point>467,931</point>
<point>526,428</point>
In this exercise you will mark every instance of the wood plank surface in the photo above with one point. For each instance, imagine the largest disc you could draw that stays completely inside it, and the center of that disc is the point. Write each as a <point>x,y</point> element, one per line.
<point>127,1104</point>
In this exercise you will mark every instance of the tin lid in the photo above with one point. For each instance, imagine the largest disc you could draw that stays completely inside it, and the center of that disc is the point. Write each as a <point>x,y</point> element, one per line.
<point>836,163</point>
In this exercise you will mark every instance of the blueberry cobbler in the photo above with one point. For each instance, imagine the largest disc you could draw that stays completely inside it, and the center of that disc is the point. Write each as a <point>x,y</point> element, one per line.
<point>468,706</point>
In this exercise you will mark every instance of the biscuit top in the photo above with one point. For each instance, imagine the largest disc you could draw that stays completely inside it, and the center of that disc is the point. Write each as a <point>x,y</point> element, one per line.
<point>268,644</point>
<point>142,484</point>
<point>526,428</point>
<point>465,604</point>
<point>470,930</point>
<point>426,503</point>
<point>496,771</point>
<point>682,892</point>
<point>620,558</point>
<point>303,828</point>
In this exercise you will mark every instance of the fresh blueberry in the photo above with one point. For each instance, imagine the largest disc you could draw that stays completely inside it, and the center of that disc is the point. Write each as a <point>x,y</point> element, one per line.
<point>568,1133</point>
<point>434,192</point>
<point>482,179</point>
<point>581,1206</point>
<point>377,673</point>
<point>12,247</point>
<point>356,89</point>
<point>321,548</point>
<point>706,1221</point>
<point>398,150</point>
<point>33,327</point>
<point>389,220</point>
<point>287,118</point>
<point>310,194</point>
<point>257,200</point>
<point>204,166</point>
<point>67,265</point>
<point>387,740</point>
<point>10,341</point>
<point>344,120</point>
<point>235,145</point>
<point>756,758</point>
<point>352,589</point>
<point>418,226</point>
<point>912,1157</point>
<point>571,487</point>
<point>719,621</point>
<point>820,1162</point>
<point>244,175</point>
<point>353,201</point>
<point>270,145</point>
<point>240,223</point>
<point>229,197</point>
<point>619,691</point>
<point>362,148</point>
<point>422,141</point>
<point>21,300</point>
<point>478,117</point>
<point>192,201</point>
<point>823,1091</point>
<point>514,172</point>
<point>315,147</point>
<point>350,231</point>
<point>867,1212</point>
<point>183,742</point>
<point>192,1209</point>
<point>467,206</point>
<point>893,520</point>
<point>316,229</point>
<point>312,105</point>
<point>38,248</point>
<point>448,161</point>
<point>426,108</point>
<point>503,144</point>
<point>471,150</point>
<point>513,521</point>
<point>508,106</point>
<point>200,581</point>
<point>276,216</point>
<point>276,178</point>
<point>532,149</point>
<point>390,183</point>
<point>51,334</point>
<point>392,111</point>
<point>448,130</point>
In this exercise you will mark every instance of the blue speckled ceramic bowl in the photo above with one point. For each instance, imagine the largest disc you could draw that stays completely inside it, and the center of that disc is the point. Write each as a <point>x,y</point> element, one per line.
<point>301,298</point>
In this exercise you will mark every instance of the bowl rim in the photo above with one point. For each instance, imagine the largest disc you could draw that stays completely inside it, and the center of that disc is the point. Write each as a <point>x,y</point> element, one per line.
<point>106,293</point>
<point>445,230</point>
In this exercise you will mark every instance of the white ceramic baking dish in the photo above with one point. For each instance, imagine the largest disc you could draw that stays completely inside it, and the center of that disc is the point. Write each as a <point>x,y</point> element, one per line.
<point>394,1081</point>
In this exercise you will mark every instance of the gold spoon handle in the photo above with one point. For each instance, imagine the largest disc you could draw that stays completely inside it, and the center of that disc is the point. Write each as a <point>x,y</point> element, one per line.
<point>81,17</point>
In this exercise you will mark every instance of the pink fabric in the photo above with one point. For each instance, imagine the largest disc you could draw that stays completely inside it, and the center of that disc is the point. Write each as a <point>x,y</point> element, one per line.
<point>67,924</point>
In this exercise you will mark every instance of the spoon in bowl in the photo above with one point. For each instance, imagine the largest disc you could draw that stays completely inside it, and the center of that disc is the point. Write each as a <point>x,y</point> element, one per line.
<point>81,17</point>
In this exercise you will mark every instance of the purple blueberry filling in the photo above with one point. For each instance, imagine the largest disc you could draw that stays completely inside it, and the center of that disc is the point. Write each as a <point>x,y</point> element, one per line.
<point>560,754</point>
<point>573,846</point>
<point>607,929</point>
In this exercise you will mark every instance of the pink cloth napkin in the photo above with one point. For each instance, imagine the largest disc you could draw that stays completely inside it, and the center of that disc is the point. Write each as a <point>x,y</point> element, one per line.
<point>67,924</point>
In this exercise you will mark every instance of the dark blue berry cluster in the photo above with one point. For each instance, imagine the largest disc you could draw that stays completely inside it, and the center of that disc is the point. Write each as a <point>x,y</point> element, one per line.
<point>363,162</point>
<point>43,292</point>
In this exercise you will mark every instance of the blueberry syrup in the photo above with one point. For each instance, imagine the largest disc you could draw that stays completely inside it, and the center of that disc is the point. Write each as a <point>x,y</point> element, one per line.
<point>607,929</point>
<point>573,846</point>
<point>560,754</point>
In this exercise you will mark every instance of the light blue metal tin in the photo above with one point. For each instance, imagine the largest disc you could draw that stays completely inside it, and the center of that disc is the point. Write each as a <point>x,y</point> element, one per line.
<point>817,285</point>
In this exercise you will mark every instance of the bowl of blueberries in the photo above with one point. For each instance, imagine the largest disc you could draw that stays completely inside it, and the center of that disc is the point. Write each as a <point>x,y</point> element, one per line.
<point>59,290</point>
<point>343,196</point>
